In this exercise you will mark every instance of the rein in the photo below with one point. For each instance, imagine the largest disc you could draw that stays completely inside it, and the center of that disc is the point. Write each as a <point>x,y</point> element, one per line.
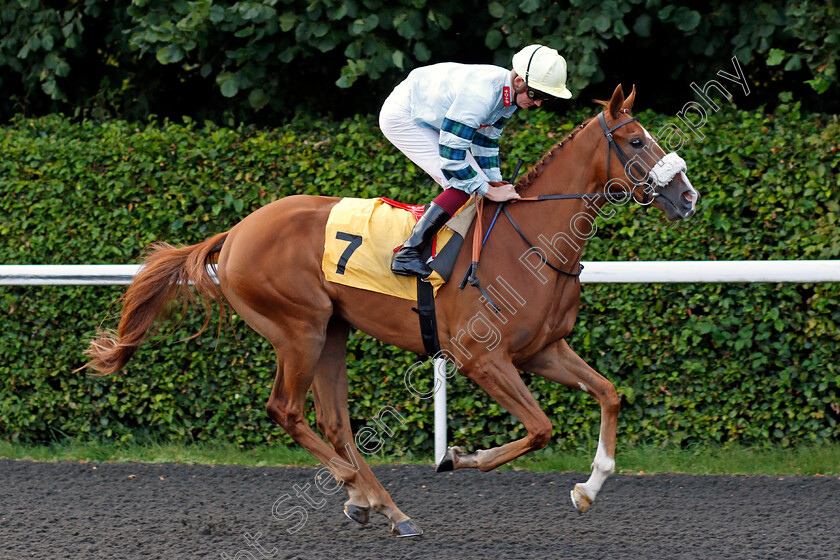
<point>479,238</point>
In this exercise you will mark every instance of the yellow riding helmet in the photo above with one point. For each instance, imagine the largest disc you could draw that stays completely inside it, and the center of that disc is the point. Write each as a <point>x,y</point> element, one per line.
<point>543,69</point>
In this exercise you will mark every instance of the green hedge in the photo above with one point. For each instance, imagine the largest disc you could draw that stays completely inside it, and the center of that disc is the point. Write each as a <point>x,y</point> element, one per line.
<point>723,362</point>
<point>260,59</point>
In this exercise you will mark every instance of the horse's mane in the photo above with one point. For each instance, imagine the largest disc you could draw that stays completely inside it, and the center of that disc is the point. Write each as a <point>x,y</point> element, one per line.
<point>537,170</point>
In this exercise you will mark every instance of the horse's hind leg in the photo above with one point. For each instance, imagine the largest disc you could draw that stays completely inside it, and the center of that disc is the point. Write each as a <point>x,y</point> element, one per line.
<point>296,363</point>
<point>560,364</point>
<point>298,346</point>
<point>330,391</point>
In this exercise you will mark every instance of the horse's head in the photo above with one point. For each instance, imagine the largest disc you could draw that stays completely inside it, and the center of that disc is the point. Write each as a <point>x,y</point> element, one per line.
<point>639,165</point>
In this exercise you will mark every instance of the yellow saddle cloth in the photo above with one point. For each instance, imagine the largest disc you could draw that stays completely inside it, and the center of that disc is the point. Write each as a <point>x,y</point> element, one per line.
<point>361,236</point>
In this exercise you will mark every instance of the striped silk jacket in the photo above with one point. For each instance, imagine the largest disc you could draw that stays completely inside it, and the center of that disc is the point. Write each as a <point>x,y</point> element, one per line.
<point>469,104</point>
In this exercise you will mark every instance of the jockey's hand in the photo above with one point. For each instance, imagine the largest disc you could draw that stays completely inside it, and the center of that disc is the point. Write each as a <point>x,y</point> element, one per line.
<point>500,191</point>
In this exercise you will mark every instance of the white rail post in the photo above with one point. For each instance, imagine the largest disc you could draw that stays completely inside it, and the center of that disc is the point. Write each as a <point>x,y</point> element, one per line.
<point>440,409</point>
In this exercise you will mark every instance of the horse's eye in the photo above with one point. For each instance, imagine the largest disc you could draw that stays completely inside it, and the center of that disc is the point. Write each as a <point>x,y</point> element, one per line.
<point>637,143</point>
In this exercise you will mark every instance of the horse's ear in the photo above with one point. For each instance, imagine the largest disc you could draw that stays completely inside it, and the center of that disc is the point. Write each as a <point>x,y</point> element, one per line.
<point>627,106</point>
<point>616,101</point>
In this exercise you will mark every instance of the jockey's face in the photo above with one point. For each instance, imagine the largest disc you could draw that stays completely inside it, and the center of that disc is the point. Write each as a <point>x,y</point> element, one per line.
<point>523,100</point>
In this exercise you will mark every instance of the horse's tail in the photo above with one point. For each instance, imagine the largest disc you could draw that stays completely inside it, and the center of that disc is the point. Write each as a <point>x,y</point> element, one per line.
<point>168,274</point>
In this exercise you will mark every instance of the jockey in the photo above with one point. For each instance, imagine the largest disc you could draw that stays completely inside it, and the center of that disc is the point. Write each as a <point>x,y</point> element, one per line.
<point>447,118</point>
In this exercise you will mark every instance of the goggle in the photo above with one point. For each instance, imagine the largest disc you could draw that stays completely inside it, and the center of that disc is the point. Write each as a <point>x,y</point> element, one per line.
<point>535,95</point>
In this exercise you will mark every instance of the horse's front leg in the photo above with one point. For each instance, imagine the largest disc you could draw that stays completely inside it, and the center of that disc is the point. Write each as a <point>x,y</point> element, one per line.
<point>560,364</point>
<point>502,382</point>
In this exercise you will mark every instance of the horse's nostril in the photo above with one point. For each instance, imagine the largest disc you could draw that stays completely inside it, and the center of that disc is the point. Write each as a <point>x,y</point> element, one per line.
<point>688,196</point>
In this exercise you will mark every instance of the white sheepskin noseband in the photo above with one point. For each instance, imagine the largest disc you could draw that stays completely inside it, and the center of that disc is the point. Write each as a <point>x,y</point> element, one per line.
<point>666,168</point>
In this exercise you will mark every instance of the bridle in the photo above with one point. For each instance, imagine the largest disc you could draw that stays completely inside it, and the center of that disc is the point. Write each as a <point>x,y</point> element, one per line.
<point>655,176</point>
<point>660,174</point>
<point>613,146</point>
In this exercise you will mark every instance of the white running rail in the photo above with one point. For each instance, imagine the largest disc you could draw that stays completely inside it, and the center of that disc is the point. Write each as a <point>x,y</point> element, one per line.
<point>645,272</point>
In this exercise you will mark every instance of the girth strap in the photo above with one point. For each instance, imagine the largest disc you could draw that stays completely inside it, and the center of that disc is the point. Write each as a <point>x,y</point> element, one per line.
<point>428,320</point>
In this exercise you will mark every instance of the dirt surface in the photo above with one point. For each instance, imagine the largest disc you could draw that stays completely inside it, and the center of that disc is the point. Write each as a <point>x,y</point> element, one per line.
<point>127,511</point>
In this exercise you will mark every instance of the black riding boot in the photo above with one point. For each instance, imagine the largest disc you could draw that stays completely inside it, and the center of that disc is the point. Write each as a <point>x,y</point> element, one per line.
<point>408,261</point>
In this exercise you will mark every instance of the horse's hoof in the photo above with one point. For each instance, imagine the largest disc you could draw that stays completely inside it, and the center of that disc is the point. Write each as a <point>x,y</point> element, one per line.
<point>447,462</point>
<point>407,528</point>
<point>359,514</point>
<point>581,501</point>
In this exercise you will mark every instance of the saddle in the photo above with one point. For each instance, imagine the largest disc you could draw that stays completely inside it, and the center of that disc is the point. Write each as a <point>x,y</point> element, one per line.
<point>362,234</point>
<point>360,238</point>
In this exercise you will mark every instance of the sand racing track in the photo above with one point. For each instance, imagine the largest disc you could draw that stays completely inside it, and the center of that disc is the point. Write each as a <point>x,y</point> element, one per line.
<point>172,511</point>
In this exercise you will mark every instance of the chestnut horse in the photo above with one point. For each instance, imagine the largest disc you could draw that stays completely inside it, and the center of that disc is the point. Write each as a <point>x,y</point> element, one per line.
<point>269,272</point>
